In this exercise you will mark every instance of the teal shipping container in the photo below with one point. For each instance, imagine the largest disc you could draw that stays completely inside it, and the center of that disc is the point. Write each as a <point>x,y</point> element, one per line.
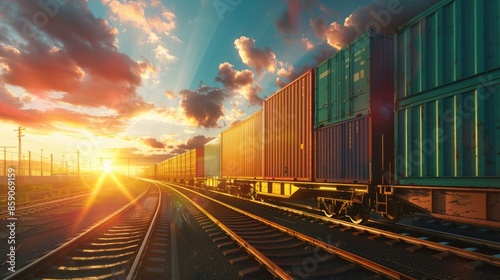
<point>356,81</point>
<point>447,83</point>
<point>449,42</point>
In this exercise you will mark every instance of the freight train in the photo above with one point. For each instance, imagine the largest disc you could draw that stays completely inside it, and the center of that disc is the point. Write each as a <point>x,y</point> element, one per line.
<point>390,125</point>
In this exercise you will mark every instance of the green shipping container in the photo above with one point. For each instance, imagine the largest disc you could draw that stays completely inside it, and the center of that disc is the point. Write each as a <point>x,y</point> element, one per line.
<point>450,41</point>
<point>356,81</point>
<point>453,139</point>
<point>447,84</point>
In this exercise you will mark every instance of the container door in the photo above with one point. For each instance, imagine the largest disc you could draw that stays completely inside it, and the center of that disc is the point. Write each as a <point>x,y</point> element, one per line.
<point>322,94</point>
<point>360,68</point>
<point>344,85</point>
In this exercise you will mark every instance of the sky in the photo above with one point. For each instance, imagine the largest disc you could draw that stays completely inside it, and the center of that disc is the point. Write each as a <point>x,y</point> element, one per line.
<point>146,80</point>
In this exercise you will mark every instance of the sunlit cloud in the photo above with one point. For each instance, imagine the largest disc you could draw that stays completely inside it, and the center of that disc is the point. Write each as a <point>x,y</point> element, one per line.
<point>163,54</point>
<point>133,12</point>
<point>260,60</point>
<point>241,82</point>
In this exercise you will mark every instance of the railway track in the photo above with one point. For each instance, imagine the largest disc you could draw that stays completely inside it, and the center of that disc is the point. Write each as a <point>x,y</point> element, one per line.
<point>285,253</point>
<point>114,247</point>
<point>30,208</point>
<point>443,245</point>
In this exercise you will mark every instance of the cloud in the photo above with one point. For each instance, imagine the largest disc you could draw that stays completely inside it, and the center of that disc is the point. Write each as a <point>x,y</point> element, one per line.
<point>260,60</point>
<point>12,110</point>
<point>197,141</point>
<point>203,107</point>
<point>383,16</point>
<point>307,44</point>
<point>169,94</point>
<point>74,55</point>
<point>133,12</point>
<point>153,143</point>
<point>153,20</point>
<point>289,21</point>
<point>241,82</point>
<point>191,143</point>
<point>285,71</point>
<point>163,54</point>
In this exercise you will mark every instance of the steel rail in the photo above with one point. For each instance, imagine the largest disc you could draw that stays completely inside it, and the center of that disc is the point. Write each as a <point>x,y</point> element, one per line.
<point>390,273</point>
<point>454,237</point>
<point>272,267</point>
<point>142,250</point>
<point>37,264</point>
<point>23,207</point>
<point>495,261</point>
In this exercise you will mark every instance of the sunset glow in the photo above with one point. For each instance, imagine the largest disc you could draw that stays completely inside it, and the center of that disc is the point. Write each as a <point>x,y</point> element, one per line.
<point>141,81</point>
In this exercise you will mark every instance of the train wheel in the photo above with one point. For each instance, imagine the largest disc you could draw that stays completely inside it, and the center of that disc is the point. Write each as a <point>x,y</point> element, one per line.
<point>394,211</point>
<point>327,213</point>
<point>328,210</point>
<point>359,214</point>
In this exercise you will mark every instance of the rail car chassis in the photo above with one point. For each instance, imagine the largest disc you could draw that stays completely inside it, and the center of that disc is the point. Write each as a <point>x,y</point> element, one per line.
<point>356,201</point>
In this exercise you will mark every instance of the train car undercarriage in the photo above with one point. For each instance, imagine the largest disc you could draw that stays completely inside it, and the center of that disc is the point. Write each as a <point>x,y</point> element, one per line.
<point>392,202</point>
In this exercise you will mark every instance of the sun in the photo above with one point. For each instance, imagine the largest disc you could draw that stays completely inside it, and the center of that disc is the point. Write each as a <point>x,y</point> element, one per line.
<point>107,167</point>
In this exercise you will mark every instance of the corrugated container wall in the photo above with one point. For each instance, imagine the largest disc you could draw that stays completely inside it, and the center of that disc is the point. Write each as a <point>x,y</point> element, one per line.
<point>448,96</point>
<point>200,162</point>
<point>212,158</point>
<point>288,131</point>
<point>354,141</point>
<point>344,153</point>
<point>192,165</point>
<point>242,148</point>
<point>448,42</point>
<point>350,82</point>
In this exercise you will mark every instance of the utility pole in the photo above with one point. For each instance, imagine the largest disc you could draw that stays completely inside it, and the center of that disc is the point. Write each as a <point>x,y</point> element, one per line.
<point>51,164</point>
<point>5,158</point>
<point>19,135</point>
<point>29,163</point>
<point>41,162</point>
<point>78,161</point>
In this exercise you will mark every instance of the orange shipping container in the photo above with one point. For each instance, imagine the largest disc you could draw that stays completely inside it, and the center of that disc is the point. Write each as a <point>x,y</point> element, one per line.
<point>241,149</point>
<point>288,131</point>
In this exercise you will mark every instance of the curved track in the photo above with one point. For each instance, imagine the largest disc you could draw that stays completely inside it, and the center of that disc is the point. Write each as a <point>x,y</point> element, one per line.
<point>111,248</point>
<point>286,253</point>
<point>444,244</point>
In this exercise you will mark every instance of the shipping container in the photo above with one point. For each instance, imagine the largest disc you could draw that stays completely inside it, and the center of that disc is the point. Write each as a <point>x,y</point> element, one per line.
<point>448,96</point>
<point>190,165</point>
<point>451,41</point>
<point>356,81</point>
<point>354,118</point>
<point>212,159</point>
<point>288,131</point>
<point>453,139</point>
<point>242,149</point>
<point>356,151</point>
<point>200,162</point>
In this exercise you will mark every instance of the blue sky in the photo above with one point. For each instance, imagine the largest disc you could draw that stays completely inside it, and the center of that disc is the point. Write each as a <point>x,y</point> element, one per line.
<point>155,78</point>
